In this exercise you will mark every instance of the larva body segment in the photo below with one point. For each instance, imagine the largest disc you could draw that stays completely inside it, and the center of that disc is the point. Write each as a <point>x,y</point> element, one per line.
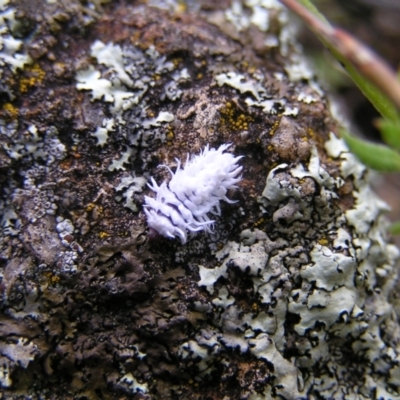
<point>183,205</point>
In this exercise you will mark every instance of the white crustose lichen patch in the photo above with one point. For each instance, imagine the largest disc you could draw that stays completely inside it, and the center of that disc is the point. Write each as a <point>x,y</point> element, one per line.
<point>9,45</point>
<point>123,78</point>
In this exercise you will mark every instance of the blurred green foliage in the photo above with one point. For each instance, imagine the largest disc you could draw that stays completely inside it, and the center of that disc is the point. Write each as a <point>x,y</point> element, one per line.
<point>381,157</point>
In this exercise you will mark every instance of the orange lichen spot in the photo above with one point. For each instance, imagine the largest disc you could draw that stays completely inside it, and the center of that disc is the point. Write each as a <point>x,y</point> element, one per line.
<point>311,133</point>
<point>103,235</point>
<point>170,136</point>
<point>270,147</point>
<point>90,207</point>
<point>274,127</point>
<point>156,77</point>
<point>233,118</point>
<point>323,241</point>
<point>176,61</point>
<point>254,307</point>
<point>33,76</point>
<point>51,278</point>
<point>10,110</point>
<point>150,113</point>
<point>259,222</point>
<point>199,75</point>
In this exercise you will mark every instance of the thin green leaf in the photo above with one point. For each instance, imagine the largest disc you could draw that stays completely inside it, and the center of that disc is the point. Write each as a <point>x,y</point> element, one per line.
<point>310,7</point>
<point>375,156</point>
<point>390,132</point>
<point>382,104</point>
<point>395,228</point>
<point>380,101</point>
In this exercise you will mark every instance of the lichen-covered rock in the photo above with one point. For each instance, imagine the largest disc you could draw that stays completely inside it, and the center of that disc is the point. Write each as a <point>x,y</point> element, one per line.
<point>291,296</point>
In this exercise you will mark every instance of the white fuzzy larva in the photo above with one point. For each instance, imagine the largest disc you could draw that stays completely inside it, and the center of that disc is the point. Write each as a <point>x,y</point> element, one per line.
<point>182,205</point>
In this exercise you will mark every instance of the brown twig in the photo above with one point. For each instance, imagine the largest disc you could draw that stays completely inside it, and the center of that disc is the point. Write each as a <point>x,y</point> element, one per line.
<point>368,64</point>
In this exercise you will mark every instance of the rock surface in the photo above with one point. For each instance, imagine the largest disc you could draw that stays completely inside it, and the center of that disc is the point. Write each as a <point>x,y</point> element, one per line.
<point>291,296</point>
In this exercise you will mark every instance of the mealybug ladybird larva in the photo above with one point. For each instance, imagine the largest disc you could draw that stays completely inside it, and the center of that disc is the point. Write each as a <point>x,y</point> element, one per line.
<point>193,192</point>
